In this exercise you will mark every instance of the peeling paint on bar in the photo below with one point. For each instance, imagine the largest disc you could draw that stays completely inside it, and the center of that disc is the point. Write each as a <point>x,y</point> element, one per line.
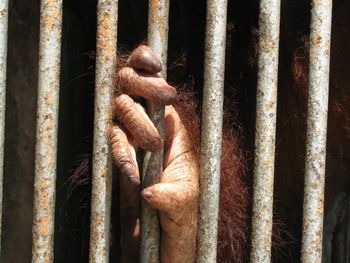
<point>158,17</point>
<point>212,114</point>
<point>46,133</point>
<point>3,58</point>
<point>320,42</point>
<point>265,133</point>
<point>106,57</point>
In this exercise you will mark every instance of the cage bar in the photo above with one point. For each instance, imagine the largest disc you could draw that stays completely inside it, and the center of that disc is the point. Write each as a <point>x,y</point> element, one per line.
<point>106,57</point>
<point>46,131</point>
<point>158,17</point>
<point>212,115</point>
<point>3,58</point>
<point>265,133</point>
<point>320,43</point>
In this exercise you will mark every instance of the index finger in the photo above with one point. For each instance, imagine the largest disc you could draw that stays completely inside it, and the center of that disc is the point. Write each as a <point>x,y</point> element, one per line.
<point>149,86</point>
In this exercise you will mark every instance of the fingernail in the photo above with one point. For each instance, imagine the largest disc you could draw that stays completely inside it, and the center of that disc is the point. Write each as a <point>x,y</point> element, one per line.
<point>133,179</point>
<point>157,66</point>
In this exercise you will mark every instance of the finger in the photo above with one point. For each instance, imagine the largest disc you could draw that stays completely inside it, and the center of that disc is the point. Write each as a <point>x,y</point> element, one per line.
<point>144,59</point>
<point>151,87</point>
<point>130,214</point>
<point>124,155</point>
<point>137,123</point>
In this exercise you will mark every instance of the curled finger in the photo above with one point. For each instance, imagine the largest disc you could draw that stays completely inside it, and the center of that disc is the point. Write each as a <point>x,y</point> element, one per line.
<point>124,155</point>
<point>137,123</point>
<point>149,86</point>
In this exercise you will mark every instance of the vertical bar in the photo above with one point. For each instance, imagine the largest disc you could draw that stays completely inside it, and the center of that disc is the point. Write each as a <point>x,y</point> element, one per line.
<point>213,95</point>
<point>3,58</point>
<point>320,39</point>
<point>106,57</point>
<point>265,133</point>
<point>46,130</point>
<point>158,17</point>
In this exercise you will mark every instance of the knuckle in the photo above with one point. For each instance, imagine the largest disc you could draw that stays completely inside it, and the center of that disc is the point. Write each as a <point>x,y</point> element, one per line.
<point>123,105</point>
<point>123,161</point>
<point>125,164</point>
<point>120,150</point>
<point>116,135</point>
<point>125,78</point>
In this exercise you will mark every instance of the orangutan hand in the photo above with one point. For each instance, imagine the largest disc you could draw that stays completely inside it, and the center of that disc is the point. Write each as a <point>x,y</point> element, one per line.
<point>176,196</point>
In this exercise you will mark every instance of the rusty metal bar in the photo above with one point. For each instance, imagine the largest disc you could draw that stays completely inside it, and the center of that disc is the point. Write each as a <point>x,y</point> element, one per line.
<point>320,43</point>
<point>3,58</point>
<point>265,133</point>
<point>46,131</point>
<point>106,57</point>
<point>158,17</point>
<point>212,115</point>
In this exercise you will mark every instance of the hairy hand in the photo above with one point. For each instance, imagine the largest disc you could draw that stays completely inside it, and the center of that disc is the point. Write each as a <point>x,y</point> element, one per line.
<point>176,196</point>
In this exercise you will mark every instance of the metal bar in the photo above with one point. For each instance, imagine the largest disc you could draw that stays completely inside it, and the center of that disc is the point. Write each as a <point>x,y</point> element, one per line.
<point>320,41</point>
<point>46,131</point>
<point>106,57</point>
<point>212,115</point>
<point>3,60</point>
<point>265,133</point>
<point>158,17</point>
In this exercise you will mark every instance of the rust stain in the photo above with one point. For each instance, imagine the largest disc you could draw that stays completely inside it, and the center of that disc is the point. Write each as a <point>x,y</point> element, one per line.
<point>270,105</point>
<point>269,46</point>
<point>3,13</point>
<point>157,12</point>
<point>105,46</point>
<point>51,16</point>
<point>50,4</point>
<point>101,188</point>
<point>317,40</point>
<point>45,163</point>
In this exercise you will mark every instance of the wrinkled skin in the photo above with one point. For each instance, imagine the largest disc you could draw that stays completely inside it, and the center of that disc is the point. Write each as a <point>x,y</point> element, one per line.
<point>176,196</point>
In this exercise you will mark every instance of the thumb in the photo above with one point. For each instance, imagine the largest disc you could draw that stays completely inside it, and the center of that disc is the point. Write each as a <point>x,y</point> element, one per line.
<point>166,197</point>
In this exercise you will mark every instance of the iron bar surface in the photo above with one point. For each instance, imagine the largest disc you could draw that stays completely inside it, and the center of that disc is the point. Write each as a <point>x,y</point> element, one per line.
<point>106,58</point>
<point>320,42</point>
<point>3,58</point>
<point>46,131</point>
<point>158,17</point>
<point>212,115</point>
<point>265,130</point>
